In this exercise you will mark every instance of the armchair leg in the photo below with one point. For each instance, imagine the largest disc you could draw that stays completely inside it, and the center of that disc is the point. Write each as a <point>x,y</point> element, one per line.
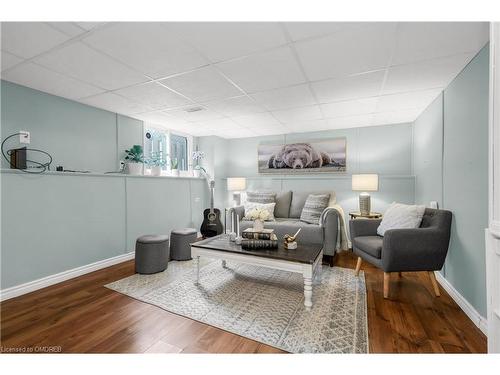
<point>358,266</point>
<point>387,279</point>
<point>432,276</point>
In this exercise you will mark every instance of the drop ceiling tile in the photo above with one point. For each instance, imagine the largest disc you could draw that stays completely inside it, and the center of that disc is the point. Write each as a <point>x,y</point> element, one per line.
<point>348,52</point>
<point>42,79</point>
<point>154,95</point>
<point>219,124</point>
<point>257,120</point>
<point>287,97</point>
<point>79,61</point>
<point>307,126</point>
<point>115,103</point>
<point>424,75</point>
<point>237,106</point>
<point>298,114</point>
<point>71,29</point>
<point>28,39</point>
<point>9,60</point>
<point>221,41</point>
<point>305,30</point>
<point>350,121</point>
<point>231,134</point>
<point>204,114</point>
<point>146,46</point>
<point>396,117</point>
<point>264,71</point>
<point>349,107</point>
<point>203,84</point>
<point>274,130</point>
<point>418,41</point>
<point>407,100</point>
<point>352,87</point>
<point>156,118</point>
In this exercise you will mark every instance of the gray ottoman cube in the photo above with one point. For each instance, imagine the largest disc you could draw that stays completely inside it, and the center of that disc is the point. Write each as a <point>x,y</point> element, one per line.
<point>151,253</point>
<point>180,243</point>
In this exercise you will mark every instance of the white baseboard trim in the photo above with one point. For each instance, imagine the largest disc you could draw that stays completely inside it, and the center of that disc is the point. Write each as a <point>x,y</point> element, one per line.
<point>44,282</point>
<point>480,321</point>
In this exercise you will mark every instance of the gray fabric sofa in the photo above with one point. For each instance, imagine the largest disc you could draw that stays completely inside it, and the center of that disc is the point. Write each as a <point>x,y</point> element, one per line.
<point>287,213</point>
<point>404,250</point>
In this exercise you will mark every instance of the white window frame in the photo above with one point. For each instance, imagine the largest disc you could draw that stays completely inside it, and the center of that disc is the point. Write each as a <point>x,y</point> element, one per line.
<point>168,133</point>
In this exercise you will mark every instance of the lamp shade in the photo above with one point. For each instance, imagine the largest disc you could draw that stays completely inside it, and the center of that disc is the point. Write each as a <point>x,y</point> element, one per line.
<point>236,183</point>
<point>365,182</point>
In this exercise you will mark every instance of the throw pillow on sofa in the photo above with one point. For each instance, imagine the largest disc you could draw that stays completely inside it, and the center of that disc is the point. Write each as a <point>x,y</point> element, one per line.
<point>261,197</point>
<point>314,207</point>
<point>401,216</point>
<point>262,211</point>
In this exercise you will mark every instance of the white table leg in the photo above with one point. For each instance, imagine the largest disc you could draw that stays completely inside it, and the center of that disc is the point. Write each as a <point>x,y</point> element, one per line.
<point>197,260</point>
<point>223,263</point>
<point>307,292</point>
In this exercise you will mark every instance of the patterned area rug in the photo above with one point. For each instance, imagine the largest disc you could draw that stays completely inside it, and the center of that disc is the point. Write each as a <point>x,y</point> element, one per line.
<point>262,304</point>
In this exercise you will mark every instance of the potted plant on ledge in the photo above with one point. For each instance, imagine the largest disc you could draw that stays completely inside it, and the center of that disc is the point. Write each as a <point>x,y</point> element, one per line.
<point>156,162</point>
<point>134,160</point>
<point>197,157</point>
<point>174,167</point>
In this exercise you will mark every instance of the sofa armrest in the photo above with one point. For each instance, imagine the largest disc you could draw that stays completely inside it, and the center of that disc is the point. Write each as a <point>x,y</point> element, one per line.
<point>237,210</point>
<point>330,222</point>
<point>363,227</point>
<point>420,249</point>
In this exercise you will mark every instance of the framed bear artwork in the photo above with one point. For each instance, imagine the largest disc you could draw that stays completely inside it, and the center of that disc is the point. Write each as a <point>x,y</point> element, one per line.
<point>304,157</point>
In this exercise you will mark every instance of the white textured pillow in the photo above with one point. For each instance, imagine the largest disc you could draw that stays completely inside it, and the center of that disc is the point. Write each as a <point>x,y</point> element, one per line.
<point>269,207</point>
<point>401,216</point>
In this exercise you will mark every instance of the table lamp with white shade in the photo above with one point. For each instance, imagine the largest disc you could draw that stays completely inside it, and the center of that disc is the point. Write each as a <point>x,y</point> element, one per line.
<point>236,185</point>
<point>364,183</point>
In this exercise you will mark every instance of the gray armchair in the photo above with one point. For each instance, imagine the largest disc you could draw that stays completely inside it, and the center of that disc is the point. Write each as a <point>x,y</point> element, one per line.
<point>404,250</point>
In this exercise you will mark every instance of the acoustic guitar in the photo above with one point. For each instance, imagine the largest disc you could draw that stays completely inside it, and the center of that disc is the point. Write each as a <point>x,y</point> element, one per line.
<point>211,226</point>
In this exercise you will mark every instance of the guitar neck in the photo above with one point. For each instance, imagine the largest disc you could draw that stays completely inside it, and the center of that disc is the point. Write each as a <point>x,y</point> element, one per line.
<point>211,196</point>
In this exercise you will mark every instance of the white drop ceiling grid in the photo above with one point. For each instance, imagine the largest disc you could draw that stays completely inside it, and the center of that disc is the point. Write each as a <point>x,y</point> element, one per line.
<point>247,79</point>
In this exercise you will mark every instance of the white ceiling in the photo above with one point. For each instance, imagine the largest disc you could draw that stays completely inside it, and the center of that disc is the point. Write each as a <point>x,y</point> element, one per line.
<point>248,79</point>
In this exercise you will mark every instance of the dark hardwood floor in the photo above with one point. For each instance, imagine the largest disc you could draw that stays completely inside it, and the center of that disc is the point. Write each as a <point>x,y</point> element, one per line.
<point>81,315</point>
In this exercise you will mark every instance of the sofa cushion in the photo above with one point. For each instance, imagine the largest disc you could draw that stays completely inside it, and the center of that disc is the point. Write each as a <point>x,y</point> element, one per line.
<point>283,200</point>
<point>314,207</point>
<point>372,245</point>
<point>309,233</point>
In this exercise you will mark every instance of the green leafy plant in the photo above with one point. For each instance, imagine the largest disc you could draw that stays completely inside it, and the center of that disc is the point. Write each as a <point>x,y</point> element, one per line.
<point>135,154</point>
<point>174,163</point>
<point>156,160</point>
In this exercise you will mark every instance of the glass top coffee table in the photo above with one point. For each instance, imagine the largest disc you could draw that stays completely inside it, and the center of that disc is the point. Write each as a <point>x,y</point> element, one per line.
<point>306,259</point>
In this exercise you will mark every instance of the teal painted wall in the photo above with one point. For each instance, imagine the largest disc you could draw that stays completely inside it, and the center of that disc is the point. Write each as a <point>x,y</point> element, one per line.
<point>465,178</point>
<point>451,165</point>
<point>57,125</point>
<point>53,222</point>
<point>428,154</point>
<point>386,150</point>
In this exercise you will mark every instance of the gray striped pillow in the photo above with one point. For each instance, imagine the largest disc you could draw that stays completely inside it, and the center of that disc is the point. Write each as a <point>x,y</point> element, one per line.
<point>261,197</point>
<point>314,207</point>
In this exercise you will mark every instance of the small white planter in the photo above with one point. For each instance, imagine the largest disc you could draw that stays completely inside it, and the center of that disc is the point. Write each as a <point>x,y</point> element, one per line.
<point>258,225</point>
<point>196,173</point>
<point>175,172</point>
<point>156,171</point>
<point>135,169</point>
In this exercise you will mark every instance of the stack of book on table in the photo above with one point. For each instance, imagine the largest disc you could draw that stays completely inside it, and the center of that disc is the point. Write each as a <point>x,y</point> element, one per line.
<point>263,239</point>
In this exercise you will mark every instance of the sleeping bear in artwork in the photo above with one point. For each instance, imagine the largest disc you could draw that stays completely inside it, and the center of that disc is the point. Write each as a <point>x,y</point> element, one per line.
<point>299,156</point>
